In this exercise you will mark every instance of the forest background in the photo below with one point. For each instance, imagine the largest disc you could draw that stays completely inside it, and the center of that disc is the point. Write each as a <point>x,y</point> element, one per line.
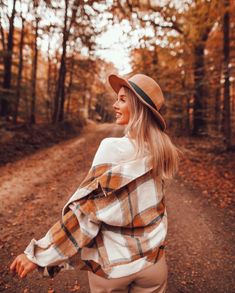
<point>53,78</point>
<point>50,71</point>
<point>55,102</point>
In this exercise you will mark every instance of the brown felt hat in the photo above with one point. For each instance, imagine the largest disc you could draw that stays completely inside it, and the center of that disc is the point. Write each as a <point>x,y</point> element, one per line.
<point>146,89</point>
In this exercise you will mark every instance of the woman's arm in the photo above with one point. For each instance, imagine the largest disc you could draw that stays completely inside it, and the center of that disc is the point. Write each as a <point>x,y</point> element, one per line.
<point>63,240</point>
<point>76,229</point>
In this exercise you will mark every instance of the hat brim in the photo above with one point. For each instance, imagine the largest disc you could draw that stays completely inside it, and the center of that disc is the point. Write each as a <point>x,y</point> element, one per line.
<point>117,82</point>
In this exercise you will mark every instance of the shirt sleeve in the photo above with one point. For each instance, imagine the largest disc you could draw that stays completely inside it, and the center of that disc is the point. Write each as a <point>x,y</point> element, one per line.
<point>65,239</point>
<point>80,222</point>
<point>77,227</point>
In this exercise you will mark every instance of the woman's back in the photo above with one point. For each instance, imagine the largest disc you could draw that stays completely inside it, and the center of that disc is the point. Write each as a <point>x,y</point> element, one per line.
<point>133,217</point>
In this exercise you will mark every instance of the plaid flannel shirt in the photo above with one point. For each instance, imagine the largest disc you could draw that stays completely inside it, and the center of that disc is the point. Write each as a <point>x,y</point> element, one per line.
<point>114,224</point>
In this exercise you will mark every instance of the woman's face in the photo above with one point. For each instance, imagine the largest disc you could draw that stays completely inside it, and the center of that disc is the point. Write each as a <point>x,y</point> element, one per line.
<point>122,108</point>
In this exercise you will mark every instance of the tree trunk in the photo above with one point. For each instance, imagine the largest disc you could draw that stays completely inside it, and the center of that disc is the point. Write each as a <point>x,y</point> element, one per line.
<point>7,62</point>
<point>68,92</point>
<point>199,107</point>
<point>217,102</point>
<point>49,85</point>
<point>34,77</point>
<point>60,92</point>
<point>226,49</point>
<point>19,77</point>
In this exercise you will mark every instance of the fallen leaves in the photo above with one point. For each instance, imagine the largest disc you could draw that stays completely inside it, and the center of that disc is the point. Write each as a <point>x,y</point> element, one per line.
<point>204,165</point>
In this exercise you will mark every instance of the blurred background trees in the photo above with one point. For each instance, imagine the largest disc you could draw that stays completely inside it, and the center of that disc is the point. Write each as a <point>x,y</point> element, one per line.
<point>57,83</point>
<point>191,53</point>
<point>50,72</point>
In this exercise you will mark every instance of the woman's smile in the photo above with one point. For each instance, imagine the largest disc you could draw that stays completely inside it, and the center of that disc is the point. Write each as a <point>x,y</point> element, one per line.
<point>118,115</point>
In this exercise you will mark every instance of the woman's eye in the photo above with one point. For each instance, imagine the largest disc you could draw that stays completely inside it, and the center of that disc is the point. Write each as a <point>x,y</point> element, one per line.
<point>121,99</point>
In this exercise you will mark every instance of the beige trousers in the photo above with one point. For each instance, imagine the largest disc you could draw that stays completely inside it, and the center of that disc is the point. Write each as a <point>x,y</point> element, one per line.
<point>151,279</point>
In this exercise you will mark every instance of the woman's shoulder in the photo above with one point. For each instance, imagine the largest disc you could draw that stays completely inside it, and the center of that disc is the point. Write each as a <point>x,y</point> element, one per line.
<point>113,150</point>
<point>121,144</point>
<point>118,140</point>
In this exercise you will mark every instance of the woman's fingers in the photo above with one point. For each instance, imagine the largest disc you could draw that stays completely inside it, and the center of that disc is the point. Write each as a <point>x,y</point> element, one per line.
<point>24,273</point>
<point>21,269</point>
<point>15,264</point>
<point>18,264</point>
<point>22,265</point>
<point>27,269</point>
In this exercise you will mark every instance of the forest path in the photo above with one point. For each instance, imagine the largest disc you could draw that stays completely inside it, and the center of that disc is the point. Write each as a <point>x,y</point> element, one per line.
<point>200,249</point>
<point>35,188</point>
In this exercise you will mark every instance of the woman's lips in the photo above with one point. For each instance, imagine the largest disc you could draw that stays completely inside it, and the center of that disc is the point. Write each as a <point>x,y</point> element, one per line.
<point>118,115</point>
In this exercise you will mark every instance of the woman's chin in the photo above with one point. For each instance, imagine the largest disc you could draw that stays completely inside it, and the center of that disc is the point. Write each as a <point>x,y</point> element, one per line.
<point>120,122</point>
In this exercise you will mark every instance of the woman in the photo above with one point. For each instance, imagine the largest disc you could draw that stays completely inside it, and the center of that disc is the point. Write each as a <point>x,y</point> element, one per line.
<point>115,224</point>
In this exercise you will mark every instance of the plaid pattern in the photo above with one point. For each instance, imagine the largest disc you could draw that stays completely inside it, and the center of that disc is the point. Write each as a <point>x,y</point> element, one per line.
<point>115,223</point>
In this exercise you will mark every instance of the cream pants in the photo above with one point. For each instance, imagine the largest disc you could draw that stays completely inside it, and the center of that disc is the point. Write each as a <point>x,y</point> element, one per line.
<point>152,279</point>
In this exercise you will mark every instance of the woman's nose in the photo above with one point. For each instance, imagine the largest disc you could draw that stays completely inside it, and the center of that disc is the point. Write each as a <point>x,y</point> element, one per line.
<point>114,105</point>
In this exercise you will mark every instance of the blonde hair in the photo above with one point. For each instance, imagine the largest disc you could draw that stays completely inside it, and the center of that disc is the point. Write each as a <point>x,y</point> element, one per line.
<point>165,155</point>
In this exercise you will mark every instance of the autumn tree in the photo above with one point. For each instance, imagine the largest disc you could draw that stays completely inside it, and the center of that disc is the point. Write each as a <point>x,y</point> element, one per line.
<point>34,62</point>
<point>20,69</point>
<point>83,27</point>
<point>192,24</point>
<point>7,45</point>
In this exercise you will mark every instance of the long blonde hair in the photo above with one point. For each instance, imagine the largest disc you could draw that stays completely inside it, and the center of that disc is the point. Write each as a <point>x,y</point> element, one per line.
<point>165,155</point>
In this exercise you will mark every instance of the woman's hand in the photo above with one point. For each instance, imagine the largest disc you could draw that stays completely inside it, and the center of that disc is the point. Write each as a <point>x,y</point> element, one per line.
<point>22,265</point>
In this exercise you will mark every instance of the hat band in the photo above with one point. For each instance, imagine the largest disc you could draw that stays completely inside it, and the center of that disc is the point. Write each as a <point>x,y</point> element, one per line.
<point>142,94</point>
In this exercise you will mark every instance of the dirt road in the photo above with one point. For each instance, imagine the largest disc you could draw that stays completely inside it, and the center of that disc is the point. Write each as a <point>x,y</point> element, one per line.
<point>34,190</point>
